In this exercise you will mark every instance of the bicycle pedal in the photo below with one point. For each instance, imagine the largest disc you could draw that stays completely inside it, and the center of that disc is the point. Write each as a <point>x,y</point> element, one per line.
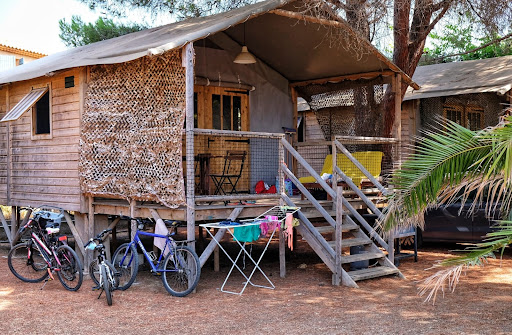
<point>95,288</point>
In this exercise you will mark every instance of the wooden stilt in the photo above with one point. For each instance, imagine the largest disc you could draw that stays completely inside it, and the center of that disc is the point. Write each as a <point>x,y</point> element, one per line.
<point>188,63</point>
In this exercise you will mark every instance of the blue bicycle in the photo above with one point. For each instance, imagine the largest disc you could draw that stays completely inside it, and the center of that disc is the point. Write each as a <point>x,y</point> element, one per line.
<point>178,265</point>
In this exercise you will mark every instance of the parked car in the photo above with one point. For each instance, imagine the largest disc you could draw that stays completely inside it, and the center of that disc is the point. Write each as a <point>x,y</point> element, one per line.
<point>446,225</point>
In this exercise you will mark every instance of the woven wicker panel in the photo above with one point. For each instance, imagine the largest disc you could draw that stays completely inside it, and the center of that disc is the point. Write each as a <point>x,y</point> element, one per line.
<point>131,130</point>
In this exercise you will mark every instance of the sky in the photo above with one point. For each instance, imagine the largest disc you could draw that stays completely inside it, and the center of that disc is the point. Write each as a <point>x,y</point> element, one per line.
<point>34,24</point>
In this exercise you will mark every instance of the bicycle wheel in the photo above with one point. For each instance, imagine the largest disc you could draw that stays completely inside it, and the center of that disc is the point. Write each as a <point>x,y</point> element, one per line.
<point>126,262</point>
<point>70,271</point>
<point>94,271</point>
<point>183,271</point>
<point>107,284</point>
<point>27,264</point>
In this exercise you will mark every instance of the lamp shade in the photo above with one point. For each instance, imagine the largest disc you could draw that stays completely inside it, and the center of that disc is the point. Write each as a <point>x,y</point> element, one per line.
<point>245,57</point>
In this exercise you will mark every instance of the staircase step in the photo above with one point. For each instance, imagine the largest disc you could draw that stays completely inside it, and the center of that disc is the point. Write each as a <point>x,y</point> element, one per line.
<point>361,257</point>
<point>351,242</point>
<point>330,229</point>
<point>315,214</point>
<point>378,271</point>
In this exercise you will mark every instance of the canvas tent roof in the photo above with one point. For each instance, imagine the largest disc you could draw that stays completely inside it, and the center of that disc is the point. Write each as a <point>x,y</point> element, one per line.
<point>476,76</point>
<point>285,44</point>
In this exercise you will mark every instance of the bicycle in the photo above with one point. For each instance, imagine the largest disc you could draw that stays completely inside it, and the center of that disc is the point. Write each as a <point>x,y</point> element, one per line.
<point>178,265</point>
<point>102,272</point>
<point>44,254</point>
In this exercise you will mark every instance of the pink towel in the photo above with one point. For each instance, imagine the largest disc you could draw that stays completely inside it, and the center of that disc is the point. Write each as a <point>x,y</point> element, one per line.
<point>289,229</point>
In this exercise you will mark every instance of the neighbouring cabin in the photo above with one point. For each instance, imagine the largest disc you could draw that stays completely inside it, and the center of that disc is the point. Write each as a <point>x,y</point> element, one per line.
<point>167,123</point>
<point>470,93</point>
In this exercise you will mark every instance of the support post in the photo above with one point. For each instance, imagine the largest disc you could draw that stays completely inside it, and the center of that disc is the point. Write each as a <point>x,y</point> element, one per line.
<point>188,63</point>
<point>282,241</point>
<point>337,277</point>
<point>6,228</point>
<point>133,223</point>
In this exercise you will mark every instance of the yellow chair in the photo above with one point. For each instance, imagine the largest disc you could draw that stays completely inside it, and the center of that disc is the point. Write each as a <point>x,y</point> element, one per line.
<point>371,160</point>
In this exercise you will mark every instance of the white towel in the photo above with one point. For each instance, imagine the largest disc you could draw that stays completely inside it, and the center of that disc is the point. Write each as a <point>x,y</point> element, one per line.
<point>160,229</point>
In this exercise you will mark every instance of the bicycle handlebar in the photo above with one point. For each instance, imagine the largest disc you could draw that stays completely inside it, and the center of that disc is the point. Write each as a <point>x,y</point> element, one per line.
<point>98,237</point>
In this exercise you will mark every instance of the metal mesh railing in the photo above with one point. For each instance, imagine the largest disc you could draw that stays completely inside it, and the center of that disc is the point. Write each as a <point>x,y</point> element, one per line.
<point>234,163</point>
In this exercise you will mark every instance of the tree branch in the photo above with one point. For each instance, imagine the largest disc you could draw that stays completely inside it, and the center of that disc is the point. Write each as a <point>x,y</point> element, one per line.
<point>421,37</point>
<point>475,49</point>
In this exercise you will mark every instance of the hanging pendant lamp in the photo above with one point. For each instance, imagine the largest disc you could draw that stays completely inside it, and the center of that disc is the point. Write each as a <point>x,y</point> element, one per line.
<point>245,57</point>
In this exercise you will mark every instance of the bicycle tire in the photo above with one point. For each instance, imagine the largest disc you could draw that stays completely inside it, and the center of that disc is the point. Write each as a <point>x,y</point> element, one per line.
<point>106,284</point>
<point>183,281</point>
<point>94,271</point>
<point>70,271</point>
<point>31,269</point>
<point>127,254</point>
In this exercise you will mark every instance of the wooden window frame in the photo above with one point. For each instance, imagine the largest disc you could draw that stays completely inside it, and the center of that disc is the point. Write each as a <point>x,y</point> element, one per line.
<point>465,110</point>
<point>204,105</point>
<point>46,136</point>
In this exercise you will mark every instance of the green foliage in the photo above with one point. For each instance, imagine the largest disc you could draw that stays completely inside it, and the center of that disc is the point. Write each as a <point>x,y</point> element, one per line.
<point>460,38</point>
<point>448,166</point>
<point>179,8</point>
<point>77,33</point>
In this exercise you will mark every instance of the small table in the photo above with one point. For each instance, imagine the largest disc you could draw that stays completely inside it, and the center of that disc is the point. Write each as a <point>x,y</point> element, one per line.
<point>231,228</point>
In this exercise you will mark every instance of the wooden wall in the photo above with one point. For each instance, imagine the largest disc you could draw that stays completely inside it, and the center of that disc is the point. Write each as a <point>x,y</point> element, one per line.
<point>42,171</point>
<point>3,147</point>
<point>410,125</point>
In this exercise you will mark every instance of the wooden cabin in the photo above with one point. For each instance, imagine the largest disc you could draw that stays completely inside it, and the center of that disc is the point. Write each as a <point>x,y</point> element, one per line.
<point>144,125</point>
<point>471,93</point>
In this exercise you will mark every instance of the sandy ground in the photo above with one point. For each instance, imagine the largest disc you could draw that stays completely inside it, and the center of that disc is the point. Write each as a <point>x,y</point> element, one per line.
<point>302,303</point>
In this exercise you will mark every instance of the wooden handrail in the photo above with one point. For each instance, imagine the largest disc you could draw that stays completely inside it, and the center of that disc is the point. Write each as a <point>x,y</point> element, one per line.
<point>361,167</point>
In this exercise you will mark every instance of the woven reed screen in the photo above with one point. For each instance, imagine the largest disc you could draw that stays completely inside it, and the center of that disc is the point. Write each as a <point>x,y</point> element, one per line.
<point>131,130</point>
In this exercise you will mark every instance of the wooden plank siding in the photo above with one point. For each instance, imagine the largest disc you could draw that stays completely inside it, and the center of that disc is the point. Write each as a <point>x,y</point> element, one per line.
<point>42,171</point>
<point>3,147</point>
<point>410,117</point>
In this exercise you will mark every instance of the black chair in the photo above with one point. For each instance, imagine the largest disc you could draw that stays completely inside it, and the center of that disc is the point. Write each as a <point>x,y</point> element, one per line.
<point>231,173</point>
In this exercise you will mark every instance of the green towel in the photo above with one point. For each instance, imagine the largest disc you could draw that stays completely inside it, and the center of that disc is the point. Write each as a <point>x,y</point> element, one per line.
<point>247,234</point>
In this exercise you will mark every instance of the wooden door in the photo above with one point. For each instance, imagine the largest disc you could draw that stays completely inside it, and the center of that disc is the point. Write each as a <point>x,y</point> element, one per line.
<point>222,109</point>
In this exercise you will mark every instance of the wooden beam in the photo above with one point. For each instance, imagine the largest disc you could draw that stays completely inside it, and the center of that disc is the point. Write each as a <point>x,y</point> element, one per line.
<point>350,31</point>
<point>15,226</point>
<point>338,235</point>
<point>188,63</point>
<point>6,227</point>
<point>78,240</point>
<point>9,149</point>
<point>356,76</point>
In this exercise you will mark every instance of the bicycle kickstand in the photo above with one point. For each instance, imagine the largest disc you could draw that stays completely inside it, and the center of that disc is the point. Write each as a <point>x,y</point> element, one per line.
<point>47,279</point>
<point>101,293</point>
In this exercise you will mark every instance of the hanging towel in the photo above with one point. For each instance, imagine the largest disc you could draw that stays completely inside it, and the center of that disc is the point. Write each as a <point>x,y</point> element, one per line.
<point>160,229</point>
<point>247,234</point>
<point>289,229</point>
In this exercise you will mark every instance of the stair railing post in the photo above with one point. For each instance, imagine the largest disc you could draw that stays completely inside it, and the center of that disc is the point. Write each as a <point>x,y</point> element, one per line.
<point>337,277</point>
<point>282,241</point>
<point>334,178</point>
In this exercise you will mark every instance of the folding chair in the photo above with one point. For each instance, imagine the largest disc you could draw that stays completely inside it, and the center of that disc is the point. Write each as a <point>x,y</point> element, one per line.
<point>231,173</point>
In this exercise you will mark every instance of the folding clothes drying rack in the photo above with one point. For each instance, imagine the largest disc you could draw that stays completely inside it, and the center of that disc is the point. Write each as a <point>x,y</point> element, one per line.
<point>277,211</point>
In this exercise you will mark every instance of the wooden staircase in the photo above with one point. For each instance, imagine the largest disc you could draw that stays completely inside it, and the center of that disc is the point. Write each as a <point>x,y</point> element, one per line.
<point>333,232</point>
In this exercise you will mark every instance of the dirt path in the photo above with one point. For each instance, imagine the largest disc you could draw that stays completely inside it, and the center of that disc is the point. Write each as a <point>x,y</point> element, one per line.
<point>302,303</point>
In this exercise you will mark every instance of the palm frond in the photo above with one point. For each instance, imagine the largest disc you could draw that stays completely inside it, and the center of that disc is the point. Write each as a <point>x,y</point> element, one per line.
<point>474,256</point>
<point>447,164</point>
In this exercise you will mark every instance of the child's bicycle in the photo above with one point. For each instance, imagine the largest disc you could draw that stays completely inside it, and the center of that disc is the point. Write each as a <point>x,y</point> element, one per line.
<point>45,253</point>
<point>178,265</point>
<point>102,272</point>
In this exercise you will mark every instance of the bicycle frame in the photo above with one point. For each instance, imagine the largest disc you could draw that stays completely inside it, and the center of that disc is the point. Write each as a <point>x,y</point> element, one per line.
<point>45,251</point>
<point>168,246</point>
